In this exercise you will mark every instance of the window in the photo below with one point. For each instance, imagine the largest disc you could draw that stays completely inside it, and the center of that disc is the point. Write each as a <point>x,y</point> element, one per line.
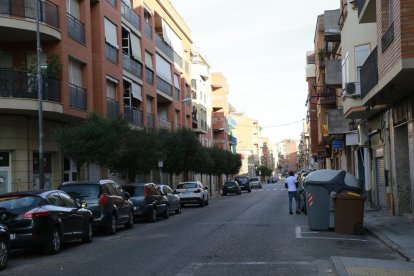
<point>110,89</point>
<point>361,54</point>
<point>110,33</point>
<point>345,70</point>
<point>131,44</point>
<point>55,199</point>
<point>6,60</point>
<point>111,190</point>
<point>68,201</point>
<point>148,60</point>
<point>32,60</point>
<point>163,69</point>
<point>75,73</point>
<point>72,8</point>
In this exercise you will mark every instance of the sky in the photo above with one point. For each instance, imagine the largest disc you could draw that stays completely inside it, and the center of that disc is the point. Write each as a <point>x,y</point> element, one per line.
<point>260,47</point>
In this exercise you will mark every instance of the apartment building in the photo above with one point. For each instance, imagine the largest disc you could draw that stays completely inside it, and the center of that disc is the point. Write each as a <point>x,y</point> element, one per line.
<point>220,113</point>
<point>287,155</point>
<point>112,56</point>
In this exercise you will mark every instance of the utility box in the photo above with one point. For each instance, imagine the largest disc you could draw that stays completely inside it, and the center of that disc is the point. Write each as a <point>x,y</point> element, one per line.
<point>319,186</point>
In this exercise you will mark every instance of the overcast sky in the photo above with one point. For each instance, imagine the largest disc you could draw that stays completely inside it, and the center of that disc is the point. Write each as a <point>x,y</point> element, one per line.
<point>260,46</point>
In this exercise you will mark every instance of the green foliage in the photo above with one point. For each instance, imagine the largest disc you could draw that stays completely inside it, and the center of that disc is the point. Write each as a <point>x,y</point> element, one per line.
<point>53,66</point>
<point>264,171</point>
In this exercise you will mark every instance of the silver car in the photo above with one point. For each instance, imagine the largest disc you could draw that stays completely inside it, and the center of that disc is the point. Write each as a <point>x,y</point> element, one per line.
<point>255,182</point>
<point>192,192</point>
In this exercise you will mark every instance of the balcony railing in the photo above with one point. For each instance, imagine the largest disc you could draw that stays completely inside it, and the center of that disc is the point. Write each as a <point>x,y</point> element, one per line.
<point>147,30</point>
<point>111,53</point>
<point>177,59</point>
<point>369,73</point>
<point>164,123</point>
<point>164,47</point>
<point>112,2</point>
<point>112,108</point>
<point>76,29</point>
<point>134,115</point>
<point>49,13</point>
<point>387,38</point>
<point>132,66</point>
<point>20,84</point>
<point>130,15</point>
<point>150,120</point>
<point>77,96</point>
<point>164,86</point>
<point>149,76</point>
<point>177,93</point>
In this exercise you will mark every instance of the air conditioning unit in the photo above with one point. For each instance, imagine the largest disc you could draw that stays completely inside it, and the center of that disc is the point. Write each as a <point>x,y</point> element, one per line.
<point>352,89</point>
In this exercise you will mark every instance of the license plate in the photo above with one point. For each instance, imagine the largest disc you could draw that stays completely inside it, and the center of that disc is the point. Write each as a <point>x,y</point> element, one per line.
<point>12,236</point>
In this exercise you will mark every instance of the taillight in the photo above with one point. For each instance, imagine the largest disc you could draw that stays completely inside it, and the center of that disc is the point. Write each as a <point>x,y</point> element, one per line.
<point>36,214</point>
<point>103,199</point>
<point>147,192</point>
<point>197,191</point>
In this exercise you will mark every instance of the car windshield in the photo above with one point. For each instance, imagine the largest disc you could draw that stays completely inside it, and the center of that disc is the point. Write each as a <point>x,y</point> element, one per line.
<point>19,203</point>
<point>254,179</point>
<point>135,190</point>
<point>187,186</point>
<point>230,184</point>
<point>81,190</point>
<point>242,180</point>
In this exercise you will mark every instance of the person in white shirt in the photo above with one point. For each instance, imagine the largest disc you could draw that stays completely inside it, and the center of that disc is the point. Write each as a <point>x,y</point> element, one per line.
<point>290,184</point>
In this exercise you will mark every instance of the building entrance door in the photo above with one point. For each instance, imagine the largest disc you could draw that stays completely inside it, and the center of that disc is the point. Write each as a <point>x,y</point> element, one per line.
<point>5,172</point>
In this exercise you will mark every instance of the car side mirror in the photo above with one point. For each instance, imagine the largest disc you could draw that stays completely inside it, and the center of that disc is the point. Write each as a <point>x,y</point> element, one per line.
<point>83,204</point>
<point>127,195</point>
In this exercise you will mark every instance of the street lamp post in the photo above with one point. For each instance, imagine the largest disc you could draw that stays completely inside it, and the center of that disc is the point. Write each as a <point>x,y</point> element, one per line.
<point>160,165</point>
<point>39,97</point>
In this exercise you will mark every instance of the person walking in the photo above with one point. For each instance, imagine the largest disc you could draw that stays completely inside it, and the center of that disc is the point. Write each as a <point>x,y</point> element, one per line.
<point>290,184</point>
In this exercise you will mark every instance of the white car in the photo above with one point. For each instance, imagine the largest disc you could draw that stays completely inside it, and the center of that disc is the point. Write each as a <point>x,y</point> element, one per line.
<point>255,182</point>
<point>192,192</point>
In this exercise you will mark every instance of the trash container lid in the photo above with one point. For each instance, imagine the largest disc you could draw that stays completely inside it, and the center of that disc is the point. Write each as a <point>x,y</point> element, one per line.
<point>327,176</point>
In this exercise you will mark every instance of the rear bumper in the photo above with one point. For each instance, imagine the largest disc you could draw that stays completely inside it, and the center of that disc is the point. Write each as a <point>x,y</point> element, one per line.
<point>195,200</point>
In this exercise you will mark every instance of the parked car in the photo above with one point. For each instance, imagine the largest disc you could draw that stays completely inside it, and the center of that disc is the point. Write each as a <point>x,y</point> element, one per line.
<point>4,246</point>
<point>147,201</point>
<point>255,182</point>
<point>244,183</point>
<point>44,218</point>
<point>107,200</point>
<point>172,197</point>
<point>192,192</point>
<point>231,187</point>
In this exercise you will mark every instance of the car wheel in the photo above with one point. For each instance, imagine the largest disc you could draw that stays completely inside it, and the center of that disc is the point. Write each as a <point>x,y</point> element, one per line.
<point>4,253</point>
<point>202,203</point>
<point>54,242</point>
<point>167,213</point>
<point>249,190</point>
<point>207,201</point>
<point>111,230</point>
<point>130,223</point>
<point>224,194</point>
<point>152,217</point>
<point>88,235</point>
<point>178,211</point>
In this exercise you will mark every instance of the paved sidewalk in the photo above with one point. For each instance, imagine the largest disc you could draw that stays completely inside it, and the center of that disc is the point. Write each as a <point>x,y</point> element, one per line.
<point>397,232</point>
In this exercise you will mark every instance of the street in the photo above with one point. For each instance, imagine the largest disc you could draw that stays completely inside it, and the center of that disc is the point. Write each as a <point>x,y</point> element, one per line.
<point>250,234</point>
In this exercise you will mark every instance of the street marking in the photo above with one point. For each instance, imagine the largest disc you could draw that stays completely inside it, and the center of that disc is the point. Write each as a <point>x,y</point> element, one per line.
<point>299,235</point>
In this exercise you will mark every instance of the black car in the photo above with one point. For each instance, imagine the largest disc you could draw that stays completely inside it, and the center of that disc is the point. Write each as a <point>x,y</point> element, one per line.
<point>231,187</point>
<point>147,201</point>
<point>109,203</point>
<point>172,197</point>
<point>4,246</point>
<point>244,183</point>
<point>44,218</point>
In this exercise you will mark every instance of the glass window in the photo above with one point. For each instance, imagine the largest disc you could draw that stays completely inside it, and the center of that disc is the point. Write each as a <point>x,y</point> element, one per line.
<point>68,201</point>
<point>6,60</point>
<point>75,73</point>
<point>81,191</point>
<point>110,33</point>
<point>55,200</point>
<point>110,89</point>
<point>111,189</point>
<point>148,60</point>
<point>361,54</point>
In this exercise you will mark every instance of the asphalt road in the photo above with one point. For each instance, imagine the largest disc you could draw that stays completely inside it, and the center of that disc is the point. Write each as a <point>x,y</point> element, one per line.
<point>250,234</point>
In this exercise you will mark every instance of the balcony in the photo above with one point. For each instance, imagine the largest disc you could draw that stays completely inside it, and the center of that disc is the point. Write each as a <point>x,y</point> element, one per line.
<point>367,11</point>
<point>369,74</point>
<point>164,123</point>
<point>149,76</point>
<point>333,73</point>
<point>219,121</point>
<point>18,21</point>
<point>76,29</point>
<point>134,115</point>
<point>131,16</point>
<point>327,98</point>
<point>20,84</point>
<point>150,120</point>
<point>112,108</point>
<point>336,122</point>
<point>387,38</point>
<point>232,140</point>
<point>164,86</point>
<point>332,32</point>
<point>77,97</point>
<point>132,66</point>
<point>164,47</point>
<point>111,53</point>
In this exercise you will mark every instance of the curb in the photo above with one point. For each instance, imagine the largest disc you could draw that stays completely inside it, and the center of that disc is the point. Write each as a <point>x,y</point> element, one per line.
<point>338,266</point>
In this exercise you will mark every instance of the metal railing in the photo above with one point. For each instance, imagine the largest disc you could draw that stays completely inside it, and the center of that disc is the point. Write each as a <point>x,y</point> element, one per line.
<point>111,53</point>
<point>130,15</point>
<point>147,30</point>
<point>150,120</point>
<point>164,123</point>
<point>177,59</point>
<point>77,96</point>
<point>76,29</point>
<point>387,38</point>
<point>177,93</point>
<point>164,86</point>
<point>369,73</point>
<point>112,2</point>
<point>164,47</point>
<point>133,115</point>
<point>21,84</point>
<point>131,65</point>
<point>112,108</point>
<point>49,12</point>
<point>149,76</point>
